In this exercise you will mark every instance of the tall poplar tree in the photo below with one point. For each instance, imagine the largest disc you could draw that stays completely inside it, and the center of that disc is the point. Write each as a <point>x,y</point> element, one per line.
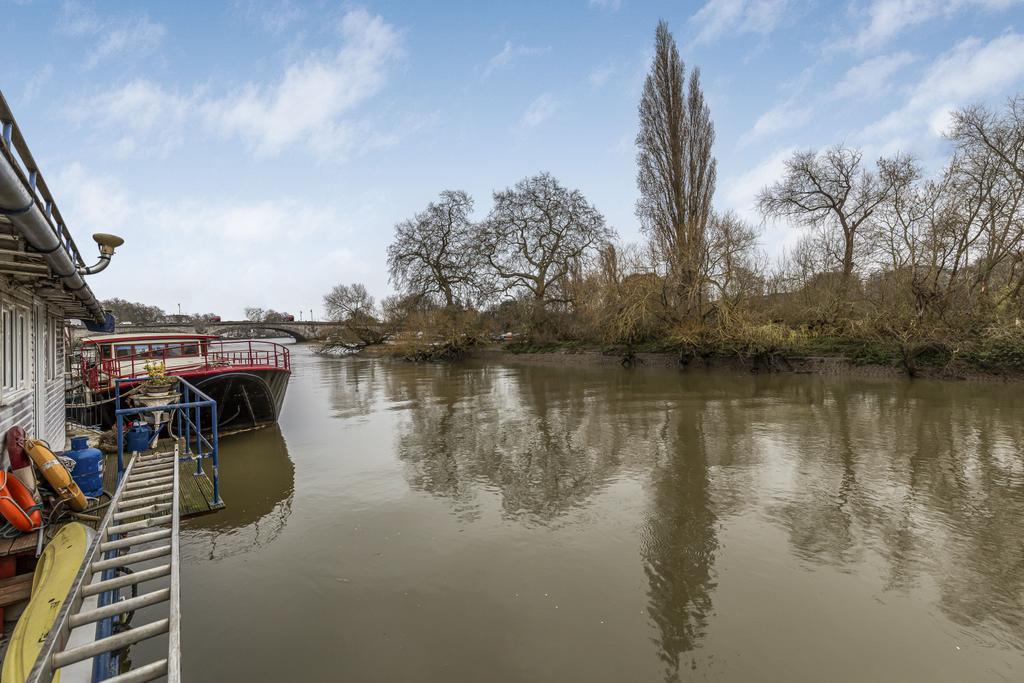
<point>676,172</point>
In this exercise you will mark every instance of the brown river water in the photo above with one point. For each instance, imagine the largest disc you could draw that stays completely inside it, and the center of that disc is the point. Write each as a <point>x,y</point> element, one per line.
<point>516,522</point>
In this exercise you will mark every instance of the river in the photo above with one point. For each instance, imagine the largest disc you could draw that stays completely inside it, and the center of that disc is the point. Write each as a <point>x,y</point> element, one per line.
<point>517,522</point>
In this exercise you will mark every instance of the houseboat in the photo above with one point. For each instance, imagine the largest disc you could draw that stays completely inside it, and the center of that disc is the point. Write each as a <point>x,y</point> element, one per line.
<point>247,378</point>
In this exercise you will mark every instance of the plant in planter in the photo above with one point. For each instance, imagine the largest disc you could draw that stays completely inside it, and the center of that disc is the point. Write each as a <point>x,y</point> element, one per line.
<point>159,389</point>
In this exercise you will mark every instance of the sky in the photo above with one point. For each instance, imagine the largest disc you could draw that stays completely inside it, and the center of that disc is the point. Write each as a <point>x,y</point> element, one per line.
<point>259,153</point>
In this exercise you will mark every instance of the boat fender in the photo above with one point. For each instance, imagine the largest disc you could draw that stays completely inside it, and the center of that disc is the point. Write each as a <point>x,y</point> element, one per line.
<point>18,506</point>
<point>56,474</point>
<point>21,466</point>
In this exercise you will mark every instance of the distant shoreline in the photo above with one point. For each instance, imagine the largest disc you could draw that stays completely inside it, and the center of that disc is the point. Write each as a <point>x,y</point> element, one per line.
<point>783,365</point>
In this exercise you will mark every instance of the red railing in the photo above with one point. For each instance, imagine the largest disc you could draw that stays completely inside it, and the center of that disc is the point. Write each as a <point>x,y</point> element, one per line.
<point>179,358</point>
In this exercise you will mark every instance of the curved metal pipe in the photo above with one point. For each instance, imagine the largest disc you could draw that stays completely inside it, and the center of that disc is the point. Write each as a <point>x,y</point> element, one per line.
<point>21,207</point>
<point>97,267</point>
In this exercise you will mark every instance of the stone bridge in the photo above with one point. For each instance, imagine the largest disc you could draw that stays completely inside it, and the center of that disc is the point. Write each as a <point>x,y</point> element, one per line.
<point>299,330</point>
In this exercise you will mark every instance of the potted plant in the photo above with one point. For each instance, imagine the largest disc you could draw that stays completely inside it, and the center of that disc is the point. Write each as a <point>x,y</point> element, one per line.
<point>158,389</point>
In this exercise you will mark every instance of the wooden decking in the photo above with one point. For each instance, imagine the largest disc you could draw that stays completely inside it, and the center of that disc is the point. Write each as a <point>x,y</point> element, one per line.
<point>22,544</point>
<point>196,491</point>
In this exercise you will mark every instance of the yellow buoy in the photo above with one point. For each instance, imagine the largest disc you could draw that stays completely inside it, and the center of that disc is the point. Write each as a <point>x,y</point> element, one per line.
<point>56,571</point>
<point>56,474</point>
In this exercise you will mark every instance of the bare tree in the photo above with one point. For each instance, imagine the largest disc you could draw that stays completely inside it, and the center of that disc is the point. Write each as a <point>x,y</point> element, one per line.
<point>431,255</point>
<point>132,312</point>
<point>348,303</point>
<point>732,269</point>
<point>264,315</point>
<point>352,307</point>
<point>255,314</point>
<point>676,171</point>
<point>1002,135</point>
<point>833,191</point>
<point>537,232</point>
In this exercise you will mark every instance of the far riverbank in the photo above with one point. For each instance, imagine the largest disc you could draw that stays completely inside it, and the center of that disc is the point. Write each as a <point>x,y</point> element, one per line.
<point>779,364</point>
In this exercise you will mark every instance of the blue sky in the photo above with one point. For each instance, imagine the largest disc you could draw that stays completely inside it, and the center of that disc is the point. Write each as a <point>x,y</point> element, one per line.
<point>258,153</point>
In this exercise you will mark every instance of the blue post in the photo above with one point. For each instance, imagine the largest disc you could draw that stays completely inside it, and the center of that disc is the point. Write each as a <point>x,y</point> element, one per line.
<point>178,413</point>
<point>120,447</point>
<point>199,439</point>
<point>188,420</point>
<point>216,468</point>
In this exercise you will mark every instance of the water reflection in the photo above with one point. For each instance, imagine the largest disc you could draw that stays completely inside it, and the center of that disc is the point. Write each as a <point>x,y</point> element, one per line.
<point>543,446</point>
<point>917,483</point>
<point>678,540</point>
<point>258,481</point>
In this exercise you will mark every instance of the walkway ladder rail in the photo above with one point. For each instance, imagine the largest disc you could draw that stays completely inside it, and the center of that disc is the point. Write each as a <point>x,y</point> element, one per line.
<point>141,525</point>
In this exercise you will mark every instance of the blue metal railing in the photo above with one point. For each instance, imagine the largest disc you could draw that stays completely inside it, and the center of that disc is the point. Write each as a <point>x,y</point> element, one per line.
<point>189,421</point>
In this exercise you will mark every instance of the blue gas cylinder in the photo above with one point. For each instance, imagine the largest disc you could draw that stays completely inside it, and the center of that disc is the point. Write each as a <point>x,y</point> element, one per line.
<point>88,471</point>
<point>138,438</point>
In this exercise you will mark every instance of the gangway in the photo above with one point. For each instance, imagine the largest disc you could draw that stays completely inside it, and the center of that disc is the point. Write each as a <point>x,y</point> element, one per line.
<point>136,543</point>
<point>141,526</point>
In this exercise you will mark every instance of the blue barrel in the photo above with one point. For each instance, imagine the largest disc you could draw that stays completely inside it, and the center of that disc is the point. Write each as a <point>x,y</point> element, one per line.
<point>88,471</point>
<point>138,438</point>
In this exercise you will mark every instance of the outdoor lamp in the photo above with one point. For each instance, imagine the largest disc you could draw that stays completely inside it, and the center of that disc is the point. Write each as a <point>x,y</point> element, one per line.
<point>107,244</point>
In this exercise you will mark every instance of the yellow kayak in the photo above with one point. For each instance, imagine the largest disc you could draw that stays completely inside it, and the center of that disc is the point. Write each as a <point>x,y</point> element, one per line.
<point>53,577</point>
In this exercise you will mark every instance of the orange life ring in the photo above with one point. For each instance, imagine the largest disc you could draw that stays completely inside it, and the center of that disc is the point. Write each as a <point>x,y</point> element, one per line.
<point>18,506</point>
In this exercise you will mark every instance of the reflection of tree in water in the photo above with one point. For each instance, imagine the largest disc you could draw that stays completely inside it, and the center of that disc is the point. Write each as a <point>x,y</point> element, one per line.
<point>819,512</point>
<point>928,476</point>
<point>545,446</point>
<point>353,384</point>
<point>907,480</point>
<point>678,539</point>
<point>261,478</point>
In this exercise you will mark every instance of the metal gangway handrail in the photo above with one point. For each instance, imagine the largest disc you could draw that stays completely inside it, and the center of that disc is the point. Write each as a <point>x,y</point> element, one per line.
<point>141,524</point>
<point>188,413</point>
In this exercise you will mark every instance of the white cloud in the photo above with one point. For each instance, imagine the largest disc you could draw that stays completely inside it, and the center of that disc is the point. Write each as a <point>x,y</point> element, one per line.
<point>143,116</point>
<point>539,111</point>
<point>36,82</point>
<point>720,17</point>
<point>973,69</point>
<point>263,235</point>
<point>311,105</point>
<point>888,18</point>
<point>134,35</point>
<point>609,5</point>
<point>274,17</point>
<point>872,77</point>
<point>781,117</point>
<point>77,19</point>
<point>599,76</point>
<point>307,105</point>
<point>511,53</point>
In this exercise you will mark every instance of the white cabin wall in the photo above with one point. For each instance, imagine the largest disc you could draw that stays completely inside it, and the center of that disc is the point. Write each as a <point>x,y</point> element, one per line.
<point>19,407</point>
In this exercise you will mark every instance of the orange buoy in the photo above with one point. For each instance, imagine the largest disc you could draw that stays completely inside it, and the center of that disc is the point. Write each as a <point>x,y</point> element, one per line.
<point>18,506</point>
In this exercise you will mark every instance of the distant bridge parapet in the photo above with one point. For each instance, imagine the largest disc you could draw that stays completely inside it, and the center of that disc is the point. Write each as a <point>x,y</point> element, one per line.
<point>299,330</point>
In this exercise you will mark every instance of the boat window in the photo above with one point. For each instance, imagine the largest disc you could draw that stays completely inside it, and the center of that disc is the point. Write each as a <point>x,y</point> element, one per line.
<point>105,351</point>
<point>141,350</point>
<point>190,350</point>
<point>124,351</point>
<point>158,350</point>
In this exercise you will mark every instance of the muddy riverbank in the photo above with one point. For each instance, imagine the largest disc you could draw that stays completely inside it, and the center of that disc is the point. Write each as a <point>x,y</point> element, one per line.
<point>833,366</point>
